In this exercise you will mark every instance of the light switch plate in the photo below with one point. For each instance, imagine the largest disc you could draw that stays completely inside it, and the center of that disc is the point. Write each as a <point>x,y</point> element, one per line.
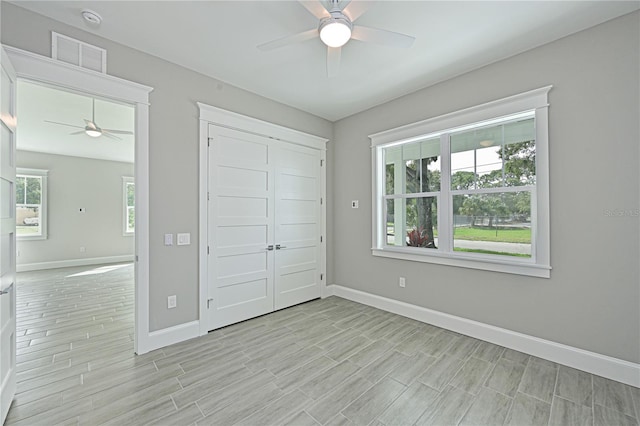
<point>184,239</point>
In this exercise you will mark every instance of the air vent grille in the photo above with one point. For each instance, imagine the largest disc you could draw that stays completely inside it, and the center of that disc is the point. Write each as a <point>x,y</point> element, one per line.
<point>76,52</point>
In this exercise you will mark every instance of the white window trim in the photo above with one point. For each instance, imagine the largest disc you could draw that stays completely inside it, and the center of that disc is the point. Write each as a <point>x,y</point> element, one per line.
<point>43,203</point>
<point>125,211</point>
<point>539,264</point>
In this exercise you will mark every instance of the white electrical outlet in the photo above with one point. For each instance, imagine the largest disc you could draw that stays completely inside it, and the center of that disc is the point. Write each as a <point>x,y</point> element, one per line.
<point>82,210</point>
<point>82,249</point>
<point>355,204</point>
<point>168,239</point>
<point>402,282</point>
<point>172,302</point>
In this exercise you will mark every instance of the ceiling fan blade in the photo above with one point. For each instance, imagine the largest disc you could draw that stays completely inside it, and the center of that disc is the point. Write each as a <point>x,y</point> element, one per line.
<point>384,37</point>
<point>315,7</point>
<point>117,132</point>
<point>292,39</point>
<point>63,124</point>
<point>77,133</point>
<point>355,9</point>
<point>333,61</point>
<point>110,136</point>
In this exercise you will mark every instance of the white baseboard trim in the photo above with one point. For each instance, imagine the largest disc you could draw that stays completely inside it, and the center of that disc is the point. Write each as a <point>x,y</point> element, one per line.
<point>73,262</point>
<point>598,364</point>
<point>168,336</point>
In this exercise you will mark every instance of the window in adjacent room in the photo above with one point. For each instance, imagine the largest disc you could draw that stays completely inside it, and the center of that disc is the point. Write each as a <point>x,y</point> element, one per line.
<point>467,189</point>
<point>31,204</point>
<point>128,194</point>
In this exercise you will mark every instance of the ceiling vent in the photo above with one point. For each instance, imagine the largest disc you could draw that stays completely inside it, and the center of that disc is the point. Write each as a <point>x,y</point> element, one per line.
<point>76,52</point>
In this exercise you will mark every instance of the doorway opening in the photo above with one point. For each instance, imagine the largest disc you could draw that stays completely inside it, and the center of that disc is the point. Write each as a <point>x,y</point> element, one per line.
<point>75,222</point>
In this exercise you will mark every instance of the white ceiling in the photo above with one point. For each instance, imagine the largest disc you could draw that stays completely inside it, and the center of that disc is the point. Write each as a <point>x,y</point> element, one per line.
<point>219,39</point>
<point>37,103</point>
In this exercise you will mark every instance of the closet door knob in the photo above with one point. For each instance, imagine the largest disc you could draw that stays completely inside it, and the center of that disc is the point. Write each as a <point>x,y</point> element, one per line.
<point>269,247</point>
<point>278,247</point>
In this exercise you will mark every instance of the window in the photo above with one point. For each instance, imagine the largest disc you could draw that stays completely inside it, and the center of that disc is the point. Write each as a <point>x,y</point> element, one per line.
<point>128,196</point>
<point>31,204</point>
<point>467,189</point>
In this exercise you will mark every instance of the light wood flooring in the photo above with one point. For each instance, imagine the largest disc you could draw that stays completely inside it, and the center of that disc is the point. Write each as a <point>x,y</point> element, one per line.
<point>328,361</point>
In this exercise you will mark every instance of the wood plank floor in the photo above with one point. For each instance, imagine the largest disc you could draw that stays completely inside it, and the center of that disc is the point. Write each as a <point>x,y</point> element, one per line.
<point>328,361</point>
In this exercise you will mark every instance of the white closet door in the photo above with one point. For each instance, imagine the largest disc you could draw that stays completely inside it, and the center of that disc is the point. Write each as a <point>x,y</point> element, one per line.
<point>7,236</point>
<point>298,225</point>
<point>241,188</point>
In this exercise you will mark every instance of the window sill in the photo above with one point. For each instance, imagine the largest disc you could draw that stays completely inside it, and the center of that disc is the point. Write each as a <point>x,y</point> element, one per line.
<point>30,237</point>
<point>466,261</point>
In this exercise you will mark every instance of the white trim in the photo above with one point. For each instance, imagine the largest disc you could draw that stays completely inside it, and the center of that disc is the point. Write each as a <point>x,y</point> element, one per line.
<point>532,99</point>
<point>203,228</point>
<point>529,104</point>
<point>592,362</point>
<point>467,260</point>
<point>231,120</point>
<point>73,262</point>
<point>42,69</point>
<point>46,70</point>
<point>171,335</point>
<point>244,123</point>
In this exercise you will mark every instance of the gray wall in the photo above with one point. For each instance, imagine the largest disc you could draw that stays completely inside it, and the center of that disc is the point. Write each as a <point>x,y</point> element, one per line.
<point>592,299</point>
<point>173,151</point>
<point>75,182</point>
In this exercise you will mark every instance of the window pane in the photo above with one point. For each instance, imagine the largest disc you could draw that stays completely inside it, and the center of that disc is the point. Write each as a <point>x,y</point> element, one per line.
<point>392,158</point>
<point>421,222</point>
<point>390,180</point>
<point>131,194</point>
<point>33,190</point>
<point>28,220</point>
<point>520,163</point>
<point>496,156</point>
<point>391,225</point>
<point>131,219</point>
<point>422,166</point>
<point>493,223</point>
<point>20,185</point>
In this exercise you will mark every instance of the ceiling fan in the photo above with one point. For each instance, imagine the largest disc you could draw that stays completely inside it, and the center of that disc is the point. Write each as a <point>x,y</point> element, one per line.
<point>92,129</point>
<point>336,28</point>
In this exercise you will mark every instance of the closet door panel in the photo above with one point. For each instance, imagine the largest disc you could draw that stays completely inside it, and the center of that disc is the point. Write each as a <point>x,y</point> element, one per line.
<point>297,225</point>
<point>240,224</point>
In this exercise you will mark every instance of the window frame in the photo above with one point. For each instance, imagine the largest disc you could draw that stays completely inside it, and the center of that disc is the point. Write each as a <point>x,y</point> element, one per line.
<point>127,180</point>
<point>485,114</point>
<point>43,175</point>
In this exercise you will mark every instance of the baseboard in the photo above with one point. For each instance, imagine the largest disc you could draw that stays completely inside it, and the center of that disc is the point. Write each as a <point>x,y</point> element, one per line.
<point>168,336</point>
<point>598,364</point>
<point>73,262</point>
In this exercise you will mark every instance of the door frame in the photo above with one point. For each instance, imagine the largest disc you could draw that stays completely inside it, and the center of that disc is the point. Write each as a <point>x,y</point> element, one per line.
<point>37,68</point>
<point>232,120</point>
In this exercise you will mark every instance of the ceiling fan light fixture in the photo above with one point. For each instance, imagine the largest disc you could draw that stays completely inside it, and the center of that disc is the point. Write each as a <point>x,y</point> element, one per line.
<point>94,133</point>
<point>335,31</point>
